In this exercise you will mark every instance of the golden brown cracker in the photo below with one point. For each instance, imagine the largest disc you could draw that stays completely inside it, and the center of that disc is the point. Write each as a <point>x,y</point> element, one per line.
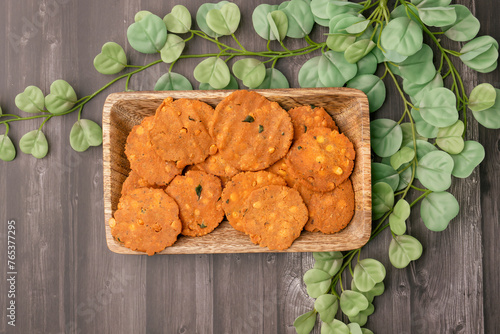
<point>143,158</point>
<point>323,158</point>
<point>330,212</point>
<point>180,131</point>
<point>275,216</point>
<point>217,165</point>
<point>237,191</point>
<point>250,131</point>
<point>132,182</point>
<point>147,220</point>
<point>198,195</point>
<point>305,118</point>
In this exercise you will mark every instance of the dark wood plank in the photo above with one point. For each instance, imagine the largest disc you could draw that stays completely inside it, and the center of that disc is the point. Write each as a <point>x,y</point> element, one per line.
<point>68,280</point>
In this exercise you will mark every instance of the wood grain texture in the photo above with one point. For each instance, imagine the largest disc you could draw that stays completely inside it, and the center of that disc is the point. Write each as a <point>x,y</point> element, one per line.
<point>69,281</point>
<point>349,109</point>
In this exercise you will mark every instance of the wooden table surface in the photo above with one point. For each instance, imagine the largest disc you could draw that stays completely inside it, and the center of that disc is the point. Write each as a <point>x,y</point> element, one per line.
<point>68,281</point>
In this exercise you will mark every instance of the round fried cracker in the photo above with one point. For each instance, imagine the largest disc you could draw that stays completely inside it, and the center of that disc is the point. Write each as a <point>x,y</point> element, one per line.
<point>147,220</point>
<point>198,195</point>
<point>251,132</point>
<point>322,157</point>
<point>275,216</point>
<point>331,212</point>
<point>237,191</point>
<point>305,117</point>
<point>143,158</point>
<point>217,165</point>
<point>180,131</point>
<point>132,182</point>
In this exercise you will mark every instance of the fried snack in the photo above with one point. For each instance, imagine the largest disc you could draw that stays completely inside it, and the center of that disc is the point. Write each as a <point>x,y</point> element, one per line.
<point>143,158</point>
<point>322,157</point>
<point>275,216</point>
<point>237,191</point>
<point>251,132</point>
<point>180,133</point>
<point>198,195</point>
<point>132,182</point>
<point>147,220</point>
<point>331,212</point>
<point>305,117</point>
<point>216,165</point>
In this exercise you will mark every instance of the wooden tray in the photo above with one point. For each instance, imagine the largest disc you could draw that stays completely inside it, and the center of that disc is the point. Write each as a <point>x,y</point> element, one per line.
<point>349,108</point>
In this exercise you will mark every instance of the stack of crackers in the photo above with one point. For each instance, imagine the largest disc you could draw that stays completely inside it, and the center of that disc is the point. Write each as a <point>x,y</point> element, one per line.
<point>270,172</point>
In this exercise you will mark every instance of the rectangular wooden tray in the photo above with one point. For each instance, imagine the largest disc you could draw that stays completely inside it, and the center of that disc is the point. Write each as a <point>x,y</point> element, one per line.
<point>348,107</point>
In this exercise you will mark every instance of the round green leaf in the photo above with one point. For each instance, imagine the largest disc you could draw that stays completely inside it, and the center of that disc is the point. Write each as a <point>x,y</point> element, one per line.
<point>201,17</point>
<point>352,302</point>
<point>34,143</point>
<point>489,118</point>
<point>147,35</point>
<point>305,323</point>
<point>178,20</point>
<point>470,157</point>
<point>224,21</point>
<point>368,64</point>
<point>465,27</point>
<point>450,139</point>
<point>62,97</point>
<point>403,249</point>
<point>394,57</point>
<point>438,16</point>
<point>251,71</point>
<point>416,91</point>
<point>358,50</point>
<point>361,319</point>
<point>419,68</point>
<point>377,290</point>
<point>233,84</point>
<point>384,173</point>
<point>404,155</point>
<point>318,8</point>
<point>173,81</point>
<point>354,328</point>
<point>358,27</point>
<point>402,35</point>
<point>438,107</point>
<point>85,133</point>
<point>367,273</point>
<point>482,97</point>
<point>382,199</point>
<point>366,331</point>
<point>7,148</point>
<point>386,137</point>
<point>339,42</point>
<point>329,262</point>
<point>400,11</point>
<point>278,22</point>
<point>334,70</point>
<point>213,71</point>
<point>438,209</point>
<point>31,100</point>
<point>398,217</point>
<point>300,18</point>
<point>422,127</point>
<point>423,147</point>
<point>480,54</point>
<point>335,327</point>
<point>274,79</point>
<point>260,22</point>
<point>172,49</point>
<point>111,60</point>
<point>317,282</point>
<point>408,134</point>
<point>327,305</point>
<point>340,23</point>
<point>308,74</point>
<point>141,14</point>
<point>434,170</point>
<point>372,86</point>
